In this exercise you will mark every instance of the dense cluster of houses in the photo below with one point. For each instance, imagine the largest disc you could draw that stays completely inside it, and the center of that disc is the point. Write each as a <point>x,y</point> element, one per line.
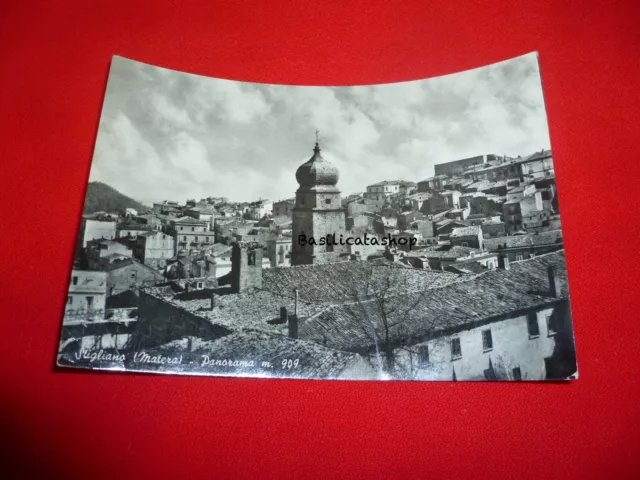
<point>480,294</point>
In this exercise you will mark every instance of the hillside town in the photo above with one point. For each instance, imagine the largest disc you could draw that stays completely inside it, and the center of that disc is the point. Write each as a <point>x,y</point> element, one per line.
<point>473,287</point>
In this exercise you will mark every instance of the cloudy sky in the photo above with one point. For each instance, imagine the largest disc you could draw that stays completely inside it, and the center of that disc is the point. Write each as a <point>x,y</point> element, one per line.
<point>171,135</point>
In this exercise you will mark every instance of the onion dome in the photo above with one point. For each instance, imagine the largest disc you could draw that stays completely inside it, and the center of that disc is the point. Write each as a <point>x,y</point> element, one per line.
<point>317,171</point>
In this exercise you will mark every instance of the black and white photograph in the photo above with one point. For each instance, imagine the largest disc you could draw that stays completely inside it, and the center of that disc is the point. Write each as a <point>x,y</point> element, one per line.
<point>402,231</point>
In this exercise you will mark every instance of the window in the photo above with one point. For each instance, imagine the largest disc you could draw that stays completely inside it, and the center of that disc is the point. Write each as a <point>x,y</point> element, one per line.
<point>327,201</point>
<point>551,325</point>
<point>193,229</point>
<point>133,274</point>
<point>464,244</point>
<point>456,349</point>
<point>517,374</point>
<point>196,238</point>
<point>251,258</point>
<point>74,280</point>
<point>519,257</point>
<point>532,325</point>
<point>200,285</point>
<point>89,303</point>
<point>69,300</point>
<point>423,355</point>
<point>490,373</point>
<point>184,238</point>
<point>487,340</point>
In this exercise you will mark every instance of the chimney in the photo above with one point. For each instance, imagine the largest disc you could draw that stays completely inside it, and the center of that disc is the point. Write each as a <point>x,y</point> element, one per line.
<point>213,301</point>
<point>293,326</point>
<point>554,281</point>
<point>503,262</point>
<point>292,321</point>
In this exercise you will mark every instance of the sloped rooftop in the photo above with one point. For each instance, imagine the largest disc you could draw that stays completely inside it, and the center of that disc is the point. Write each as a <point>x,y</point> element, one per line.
<point>356,325</point>
<point>511,241</point>
<point>339,282</point>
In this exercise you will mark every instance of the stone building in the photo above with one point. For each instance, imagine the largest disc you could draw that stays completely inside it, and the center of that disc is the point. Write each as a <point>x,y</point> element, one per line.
<point>318,213</point>
<point>442,201</point>
<point>191,234</point>
<point>154,249</point>
<point>279,251</point>
<point>86,296</point>
<point>246,267</point>
<point>132,230</point>
<point>100,249</point>
<point>129,274</point>
<point>167,207</point>
<point>493,228</point>
<point>382,190</point>
<point>467,236</point>
<point>93,229</point>
<point>538,165</point>
<point>284,208</point>
<point>431,184</point>
<point>522,247</point>
<point>514,211</point>
<point>502,328</point>
<point>456,167</point>
<point>260,208</point>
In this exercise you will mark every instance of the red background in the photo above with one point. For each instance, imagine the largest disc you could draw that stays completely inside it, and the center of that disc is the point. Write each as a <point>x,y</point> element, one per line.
<point>54,59</point>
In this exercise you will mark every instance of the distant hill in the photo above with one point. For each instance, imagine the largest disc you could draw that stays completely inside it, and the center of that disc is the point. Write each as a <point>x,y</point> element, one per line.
<point>103,198</point>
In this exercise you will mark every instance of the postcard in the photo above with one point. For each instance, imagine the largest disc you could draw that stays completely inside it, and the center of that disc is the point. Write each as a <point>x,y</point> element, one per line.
<point>403,231</point>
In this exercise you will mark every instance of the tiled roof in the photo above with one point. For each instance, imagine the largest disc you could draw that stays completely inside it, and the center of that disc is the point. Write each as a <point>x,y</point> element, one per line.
<point>204,210</point>
<point>536,156</point>
<point>237,312</point>
<point>152,233</point>
<point>455,251</point>
<point>492,222</point>
<point>542,238</point>
<point>114,256</point>
<point>465,231</point>
<point>385,182</point>
<point>137,227</point>
<point>479,185</point>
<point>189,221</point>
<point>466,267</point>
<point>419,196</point>
<point>354,326</point>
<point>338,282</point>
<point>218,249</point>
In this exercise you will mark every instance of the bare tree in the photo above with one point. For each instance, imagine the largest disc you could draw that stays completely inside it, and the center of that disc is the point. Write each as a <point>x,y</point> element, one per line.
<point>386,308</point>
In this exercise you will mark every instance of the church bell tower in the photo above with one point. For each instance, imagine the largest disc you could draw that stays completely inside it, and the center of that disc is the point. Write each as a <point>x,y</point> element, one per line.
<point>318,213</point>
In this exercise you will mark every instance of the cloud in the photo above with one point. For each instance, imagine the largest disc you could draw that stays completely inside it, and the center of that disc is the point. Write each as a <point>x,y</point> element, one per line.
<point>171,135</point>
